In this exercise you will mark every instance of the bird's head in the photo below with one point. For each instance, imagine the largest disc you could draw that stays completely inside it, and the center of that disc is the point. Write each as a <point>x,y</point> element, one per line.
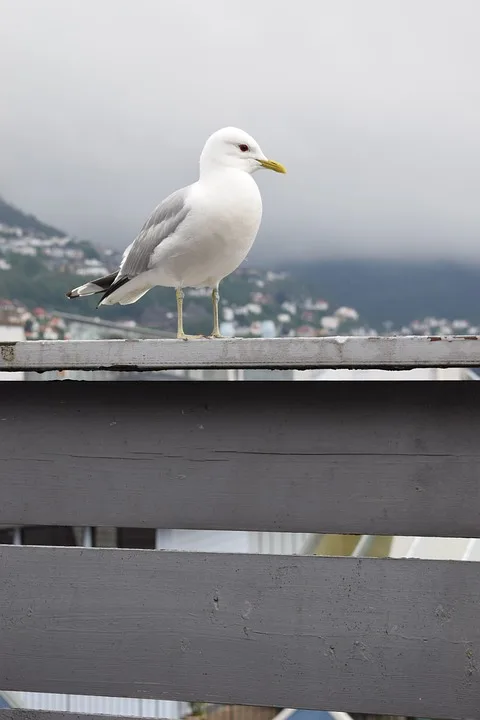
<point>234,148</point>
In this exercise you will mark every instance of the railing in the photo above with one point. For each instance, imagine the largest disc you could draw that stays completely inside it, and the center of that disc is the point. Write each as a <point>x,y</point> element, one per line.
<point>298,353</point>
<point>356,634</point>
<point>253,542</point>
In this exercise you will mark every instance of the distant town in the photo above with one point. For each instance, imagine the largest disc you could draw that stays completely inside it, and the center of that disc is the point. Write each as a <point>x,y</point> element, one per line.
<point>254,302</point>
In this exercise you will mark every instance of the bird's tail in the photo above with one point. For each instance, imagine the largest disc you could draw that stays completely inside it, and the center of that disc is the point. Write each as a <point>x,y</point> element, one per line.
<point>100,285</point>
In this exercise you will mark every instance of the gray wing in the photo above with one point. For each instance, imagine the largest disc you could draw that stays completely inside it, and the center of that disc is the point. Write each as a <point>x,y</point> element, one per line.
<point>163,222</point>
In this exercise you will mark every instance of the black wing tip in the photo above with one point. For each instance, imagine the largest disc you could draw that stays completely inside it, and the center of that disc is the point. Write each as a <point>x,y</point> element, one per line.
<point>112,289</point>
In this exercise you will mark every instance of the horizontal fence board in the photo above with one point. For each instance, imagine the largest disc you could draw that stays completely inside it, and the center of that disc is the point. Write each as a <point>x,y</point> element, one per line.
<point>280,353</point>
<point>398,637</point>
<point>19,714</point>
<point>365,458</point>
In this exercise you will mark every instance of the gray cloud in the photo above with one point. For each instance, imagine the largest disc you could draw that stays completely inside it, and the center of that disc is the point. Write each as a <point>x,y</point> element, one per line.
<point>373,106</point>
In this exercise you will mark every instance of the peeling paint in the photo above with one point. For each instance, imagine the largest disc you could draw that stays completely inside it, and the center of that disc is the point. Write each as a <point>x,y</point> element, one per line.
<point>451,338</point>
<point>386,353</point>
<point>7,351</point>
<point>470,664</point>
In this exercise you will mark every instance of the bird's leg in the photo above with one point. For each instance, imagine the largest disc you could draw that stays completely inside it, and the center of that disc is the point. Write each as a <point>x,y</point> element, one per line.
<point>180,295</point>
<point>216,329</point>
<point>180,332</point>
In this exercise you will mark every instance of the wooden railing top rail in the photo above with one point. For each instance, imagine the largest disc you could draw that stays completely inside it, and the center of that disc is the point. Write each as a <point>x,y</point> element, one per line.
<point>274,353</point>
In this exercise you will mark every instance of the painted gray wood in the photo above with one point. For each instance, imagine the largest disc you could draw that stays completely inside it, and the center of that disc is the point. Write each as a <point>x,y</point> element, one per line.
<point>329,352</point>
<point>18,714</point>
<point>367,458</point>
<point>398,637</point>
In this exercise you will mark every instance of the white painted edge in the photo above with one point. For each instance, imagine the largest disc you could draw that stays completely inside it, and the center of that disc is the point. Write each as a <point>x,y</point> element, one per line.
<point>470,547</point>
<point>271,353</point>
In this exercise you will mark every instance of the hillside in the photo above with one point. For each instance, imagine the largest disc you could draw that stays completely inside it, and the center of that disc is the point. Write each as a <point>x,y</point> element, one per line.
<point>39,264</point>
<point>396,291</point>
<point>13,217</point>
<point>247,298</point>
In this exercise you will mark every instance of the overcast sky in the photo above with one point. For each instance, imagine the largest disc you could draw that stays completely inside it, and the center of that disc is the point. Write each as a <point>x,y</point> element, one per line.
<point>373,106</point>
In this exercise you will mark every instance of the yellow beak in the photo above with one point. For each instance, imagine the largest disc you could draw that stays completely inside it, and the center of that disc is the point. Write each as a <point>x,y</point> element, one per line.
<point>272,165</point>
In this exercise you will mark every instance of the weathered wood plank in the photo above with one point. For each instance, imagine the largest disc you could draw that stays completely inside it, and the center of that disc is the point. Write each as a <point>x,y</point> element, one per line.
<point>367,458</point>
<point>20,714</point>
<point>329,352</point>
<point>228,712</point>
<point>398,637</point>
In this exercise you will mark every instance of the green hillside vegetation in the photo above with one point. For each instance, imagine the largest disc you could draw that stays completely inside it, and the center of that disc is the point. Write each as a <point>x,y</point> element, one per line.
<point>33,284</point>
<point>398,291</point>
<point>10,215</point>
<point>381,290</point>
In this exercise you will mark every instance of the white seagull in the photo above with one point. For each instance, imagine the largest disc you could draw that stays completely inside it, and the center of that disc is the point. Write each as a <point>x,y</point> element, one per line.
<point>199,234</point>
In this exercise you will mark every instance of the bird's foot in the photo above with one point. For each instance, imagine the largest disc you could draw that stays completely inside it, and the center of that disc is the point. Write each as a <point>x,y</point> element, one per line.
<point>215,335</point>
<point>183,336</point>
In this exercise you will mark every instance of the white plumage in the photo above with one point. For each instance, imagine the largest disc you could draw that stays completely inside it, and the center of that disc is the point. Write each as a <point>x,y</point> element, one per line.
<point>199,234</point>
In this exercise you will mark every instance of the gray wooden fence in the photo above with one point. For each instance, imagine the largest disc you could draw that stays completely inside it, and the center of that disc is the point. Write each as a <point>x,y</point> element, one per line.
<point>360,635</point>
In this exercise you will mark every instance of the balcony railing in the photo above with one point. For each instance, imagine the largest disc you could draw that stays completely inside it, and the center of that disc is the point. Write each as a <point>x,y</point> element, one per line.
<point>285,353</point>
<point>357,634</point>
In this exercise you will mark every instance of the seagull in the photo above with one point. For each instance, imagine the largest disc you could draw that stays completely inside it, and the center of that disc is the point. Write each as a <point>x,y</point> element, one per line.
<point>199,234</point>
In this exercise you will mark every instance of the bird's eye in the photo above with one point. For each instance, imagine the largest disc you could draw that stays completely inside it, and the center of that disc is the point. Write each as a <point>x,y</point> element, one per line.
<point>243,148</point>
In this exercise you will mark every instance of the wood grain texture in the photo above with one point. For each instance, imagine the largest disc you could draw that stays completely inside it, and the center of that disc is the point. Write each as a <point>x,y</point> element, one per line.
<point>399,637</point>
<point>372,458</point>
<point>283,353</point>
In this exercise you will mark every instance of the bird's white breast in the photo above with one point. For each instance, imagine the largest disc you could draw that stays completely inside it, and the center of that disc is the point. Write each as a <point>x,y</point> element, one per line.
<point>215,238</point>
<point>231,205</point>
